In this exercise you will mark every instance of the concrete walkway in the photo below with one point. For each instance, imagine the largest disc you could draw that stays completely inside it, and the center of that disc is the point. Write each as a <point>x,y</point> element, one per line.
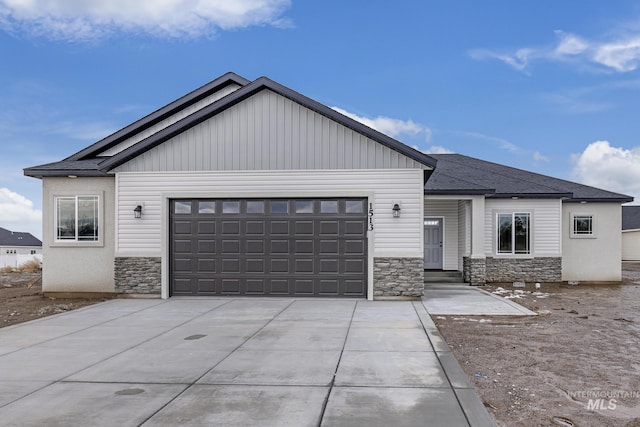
<point>462,299</point>
<point>208,361</point>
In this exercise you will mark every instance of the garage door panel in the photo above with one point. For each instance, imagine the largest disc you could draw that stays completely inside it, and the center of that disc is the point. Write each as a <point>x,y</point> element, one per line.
<point>329,247</point>
<point>354,266</point>
<point>329,266</point>
<point>304,266</point>
<point>303,286</point>
<point>182,265</point>
<point>255,247</point>
<point>206,266</point>
<point>304,247</point>
<point>255,265</point>
<point>355,227</point>
<point>281,247</point>
<point>279,265</point>
<point>304,227</point>
<point>255,227</point>
<point>230,265</point>
<point>182,285</point>
<point>182,246</point>
<point>206,246</point>
<point>230,246</point>
<point>279,227</point>
<point>354,287</point>
<point>207,286</point>
<point>280,287</point>
<point>354,247</point>
<point>206,227</point>
<point>230,287</point>
<point>329,228</point>
<point>182,227</point>
<point>256,287</point>
<point>231,227</point>
<point>329,287</point>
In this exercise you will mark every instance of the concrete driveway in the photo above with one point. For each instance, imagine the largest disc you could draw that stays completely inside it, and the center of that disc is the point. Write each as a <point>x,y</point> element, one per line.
<point>213,361</point>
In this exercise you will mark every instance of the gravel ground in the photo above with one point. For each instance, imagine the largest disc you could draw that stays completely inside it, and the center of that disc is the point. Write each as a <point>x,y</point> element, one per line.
<point>575,364</point>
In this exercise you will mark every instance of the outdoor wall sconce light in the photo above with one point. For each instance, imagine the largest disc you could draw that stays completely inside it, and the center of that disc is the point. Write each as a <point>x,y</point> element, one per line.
<point>137,212</point>
<point>396,210</point>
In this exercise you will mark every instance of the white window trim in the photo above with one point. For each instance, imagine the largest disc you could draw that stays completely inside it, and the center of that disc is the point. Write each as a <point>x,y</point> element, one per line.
<point>496,233</point>
<point>573,235</point>
<point>75,242</point>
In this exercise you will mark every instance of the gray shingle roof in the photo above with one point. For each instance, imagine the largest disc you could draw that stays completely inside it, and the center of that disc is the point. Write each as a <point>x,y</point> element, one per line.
<point>458,174</point>
<point>631,217</point>
<point>14,238</point>
<point>88,167</point>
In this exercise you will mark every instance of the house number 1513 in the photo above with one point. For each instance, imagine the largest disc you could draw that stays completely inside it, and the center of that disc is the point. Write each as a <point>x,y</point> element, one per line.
<point>370,216</point>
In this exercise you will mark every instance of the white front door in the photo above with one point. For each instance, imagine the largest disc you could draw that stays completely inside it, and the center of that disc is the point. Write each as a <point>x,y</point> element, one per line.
<point>433,243</point>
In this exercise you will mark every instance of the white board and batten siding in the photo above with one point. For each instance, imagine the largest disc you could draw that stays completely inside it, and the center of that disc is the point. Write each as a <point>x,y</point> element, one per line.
<point>268,132</point>
<point>399,237</point>
<point>447,209</point>
<point>170,120</point>
<point>546,226</point>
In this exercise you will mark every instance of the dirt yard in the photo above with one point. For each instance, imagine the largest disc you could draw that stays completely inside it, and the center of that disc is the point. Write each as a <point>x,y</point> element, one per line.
<point>21,299</point>
<point>576,364</point>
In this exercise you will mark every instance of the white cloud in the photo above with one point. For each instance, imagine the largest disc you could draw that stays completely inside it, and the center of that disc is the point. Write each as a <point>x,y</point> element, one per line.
<point>500,142</point>
<point>18,214</point>
<point>390,126</point>
<point>95,19</point>
<point>539,157</point>
<point>438,149</point>
<point>610,168</point>
<point>621,54</point>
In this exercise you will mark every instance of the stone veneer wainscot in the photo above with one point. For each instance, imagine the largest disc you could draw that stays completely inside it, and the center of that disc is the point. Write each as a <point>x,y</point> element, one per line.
<point>138,275</point>
<point>398,277</point>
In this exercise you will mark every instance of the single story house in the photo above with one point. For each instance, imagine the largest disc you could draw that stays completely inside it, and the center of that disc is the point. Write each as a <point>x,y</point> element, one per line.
<point>631,233</point>
<point>16,248</point>
<point>250,188</point>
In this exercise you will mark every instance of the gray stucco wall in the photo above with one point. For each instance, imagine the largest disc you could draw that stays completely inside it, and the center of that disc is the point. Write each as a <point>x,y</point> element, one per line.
<point>78,266</point>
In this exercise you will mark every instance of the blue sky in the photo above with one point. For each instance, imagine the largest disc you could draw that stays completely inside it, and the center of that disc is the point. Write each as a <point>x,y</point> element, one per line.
<point>548,86</point>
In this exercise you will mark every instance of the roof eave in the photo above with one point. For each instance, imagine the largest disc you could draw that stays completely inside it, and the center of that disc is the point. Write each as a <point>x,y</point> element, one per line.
<point>621,199</point>
<point>69,173</point>
<point>159,115</point>
<point>460,192</point>
<point>531,195</point>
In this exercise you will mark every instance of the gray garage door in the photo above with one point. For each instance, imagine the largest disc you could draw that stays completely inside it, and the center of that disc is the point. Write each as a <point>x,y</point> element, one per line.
<point>277,247</point>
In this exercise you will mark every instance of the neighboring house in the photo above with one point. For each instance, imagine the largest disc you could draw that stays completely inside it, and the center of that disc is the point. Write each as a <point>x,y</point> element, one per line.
<point>249,188</point>
<point>17,248</point>
<point>631,233</point>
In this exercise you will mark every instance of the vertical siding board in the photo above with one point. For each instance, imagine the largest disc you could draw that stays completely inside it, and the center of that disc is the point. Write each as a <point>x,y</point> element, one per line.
<point>268,132</point>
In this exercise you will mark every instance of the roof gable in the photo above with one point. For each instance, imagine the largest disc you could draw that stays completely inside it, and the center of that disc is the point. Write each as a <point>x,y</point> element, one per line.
<point>267,131</point>
<point>258,85</point>
<point>504,181</point>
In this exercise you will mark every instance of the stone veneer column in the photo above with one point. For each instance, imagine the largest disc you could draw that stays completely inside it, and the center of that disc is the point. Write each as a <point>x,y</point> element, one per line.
<point>138,275</point>
<point>401,278</point>
<point>477,271</point>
